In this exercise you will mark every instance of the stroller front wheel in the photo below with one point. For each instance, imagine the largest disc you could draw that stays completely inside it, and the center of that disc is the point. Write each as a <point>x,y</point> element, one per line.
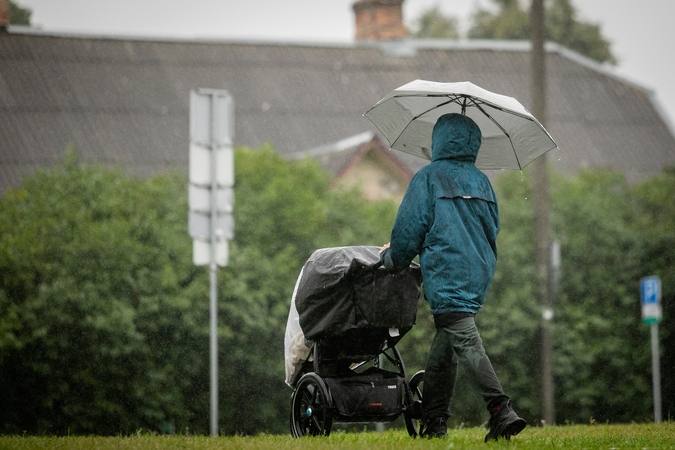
<point>311,407</point>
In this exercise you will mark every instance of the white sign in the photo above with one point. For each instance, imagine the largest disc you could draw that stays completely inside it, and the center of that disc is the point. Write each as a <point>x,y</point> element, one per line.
<point>211,118</point>
<point>211,175</point>
<point>199,199</point>
<point>199,226</point>
<point>201,253</point>
<point>200,165</point>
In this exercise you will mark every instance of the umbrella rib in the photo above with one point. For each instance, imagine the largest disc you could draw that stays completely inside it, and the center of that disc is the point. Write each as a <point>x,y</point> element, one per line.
<point>506,133</point>
<point>475,100</point>
<point>453,100</point>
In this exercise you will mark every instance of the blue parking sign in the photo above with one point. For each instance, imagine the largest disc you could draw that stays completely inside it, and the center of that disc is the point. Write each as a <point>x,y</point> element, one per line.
<point>650,290</point>
<point>650,297</point>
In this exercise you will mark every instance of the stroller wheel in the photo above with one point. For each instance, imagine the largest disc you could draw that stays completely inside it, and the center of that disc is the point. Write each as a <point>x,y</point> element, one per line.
<point>311,408</point>
<point>413,412</point>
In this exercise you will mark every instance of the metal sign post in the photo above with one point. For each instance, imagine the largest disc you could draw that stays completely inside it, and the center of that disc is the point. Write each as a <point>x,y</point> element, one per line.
<point>211,199</point>
<point>650,297</point>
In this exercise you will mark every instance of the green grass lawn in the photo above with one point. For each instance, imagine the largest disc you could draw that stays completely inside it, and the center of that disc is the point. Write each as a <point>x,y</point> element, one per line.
<point>637,436</point>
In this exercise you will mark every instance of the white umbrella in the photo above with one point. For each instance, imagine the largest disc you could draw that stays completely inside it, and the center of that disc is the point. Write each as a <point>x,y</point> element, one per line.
<point>512,136</point>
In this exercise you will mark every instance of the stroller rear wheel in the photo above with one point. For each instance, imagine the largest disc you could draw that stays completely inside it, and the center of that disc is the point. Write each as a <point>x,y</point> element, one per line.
<point>413,412</point>
<point>311,407</point>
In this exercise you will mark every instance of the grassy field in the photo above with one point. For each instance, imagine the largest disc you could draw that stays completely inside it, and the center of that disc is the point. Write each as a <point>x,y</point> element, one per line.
<point>635,436</point>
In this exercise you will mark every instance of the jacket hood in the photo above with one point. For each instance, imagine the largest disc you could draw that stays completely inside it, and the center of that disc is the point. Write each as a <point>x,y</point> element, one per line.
<point>456,137</point>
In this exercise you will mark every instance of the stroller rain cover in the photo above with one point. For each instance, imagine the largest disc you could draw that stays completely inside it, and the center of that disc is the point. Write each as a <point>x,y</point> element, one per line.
<point>343,288</point>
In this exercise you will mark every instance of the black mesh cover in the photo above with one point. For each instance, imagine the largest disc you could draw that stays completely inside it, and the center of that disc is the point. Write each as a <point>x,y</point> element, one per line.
<point>343,288</point>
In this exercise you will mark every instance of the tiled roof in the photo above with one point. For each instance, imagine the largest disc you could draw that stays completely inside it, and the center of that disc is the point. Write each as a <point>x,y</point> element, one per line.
<point>125,101</point>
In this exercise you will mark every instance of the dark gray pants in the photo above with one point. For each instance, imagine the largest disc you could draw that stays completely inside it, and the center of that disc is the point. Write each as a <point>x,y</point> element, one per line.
<point>458,342</point>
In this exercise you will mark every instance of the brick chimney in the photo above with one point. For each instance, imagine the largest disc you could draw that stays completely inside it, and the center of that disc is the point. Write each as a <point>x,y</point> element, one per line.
<point>4,15</point>
<point>378,20</point>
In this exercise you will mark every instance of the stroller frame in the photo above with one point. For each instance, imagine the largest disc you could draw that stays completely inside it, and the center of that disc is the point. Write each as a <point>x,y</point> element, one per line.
<point>339,361</point>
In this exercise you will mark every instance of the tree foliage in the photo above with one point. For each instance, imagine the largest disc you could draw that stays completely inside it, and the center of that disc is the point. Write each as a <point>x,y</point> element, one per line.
<point>563,26</point>
<point>509,20</point>
<point>602,357</point>
<point>432,24</point>
<point>18,15</point>
<point>104,318</point>
<point>94,325</point>
<point>655,227</point>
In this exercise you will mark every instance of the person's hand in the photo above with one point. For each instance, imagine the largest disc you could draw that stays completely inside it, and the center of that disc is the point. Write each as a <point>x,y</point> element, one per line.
<point>384,247</point>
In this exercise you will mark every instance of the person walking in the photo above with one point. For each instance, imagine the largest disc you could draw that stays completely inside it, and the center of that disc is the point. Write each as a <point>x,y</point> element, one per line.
<point>449,217</point>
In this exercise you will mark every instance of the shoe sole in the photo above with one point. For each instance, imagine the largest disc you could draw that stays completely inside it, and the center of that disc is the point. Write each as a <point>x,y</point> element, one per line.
<point>509,431</point>
<point>514,428</point>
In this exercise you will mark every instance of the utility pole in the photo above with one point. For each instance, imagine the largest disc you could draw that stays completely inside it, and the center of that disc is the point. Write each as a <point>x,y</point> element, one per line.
<point>541,212</point>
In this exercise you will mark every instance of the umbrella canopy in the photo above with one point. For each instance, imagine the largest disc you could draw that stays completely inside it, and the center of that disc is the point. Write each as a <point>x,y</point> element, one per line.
<point>512,136</point>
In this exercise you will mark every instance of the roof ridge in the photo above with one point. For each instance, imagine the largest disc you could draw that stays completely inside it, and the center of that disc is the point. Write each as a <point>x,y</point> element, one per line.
<point>401,47</point>
<point>337,146</point>
<point>120,36</point>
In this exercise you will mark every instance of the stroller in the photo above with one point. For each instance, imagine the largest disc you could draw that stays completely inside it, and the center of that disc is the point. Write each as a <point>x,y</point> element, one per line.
<point>347,315</point>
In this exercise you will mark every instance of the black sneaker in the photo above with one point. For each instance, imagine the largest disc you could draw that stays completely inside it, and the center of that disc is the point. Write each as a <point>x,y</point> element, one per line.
<point>434,428</point>
<point>504,422</point>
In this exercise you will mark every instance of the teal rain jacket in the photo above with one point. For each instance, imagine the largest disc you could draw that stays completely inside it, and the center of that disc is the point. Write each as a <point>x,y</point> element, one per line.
<point>449,217</point>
